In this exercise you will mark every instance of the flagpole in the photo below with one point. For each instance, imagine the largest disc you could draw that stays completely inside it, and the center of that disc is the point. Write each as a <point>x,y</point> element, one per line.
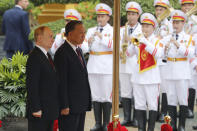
<point>116,41</point>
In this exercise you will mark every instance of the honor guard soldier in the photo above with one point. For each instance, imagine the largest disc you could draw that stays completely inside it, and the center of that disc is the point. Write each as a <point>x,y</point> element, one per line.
<point>164,28</point>
<point>190,28</point>
<point>178,50</point>
<point>164,25</point>
<point>194,75</point>
<point>70,14</point>
<point>191,25</point>
<point>127,64</point>
<point>100,42</point>
<point>146,76</point>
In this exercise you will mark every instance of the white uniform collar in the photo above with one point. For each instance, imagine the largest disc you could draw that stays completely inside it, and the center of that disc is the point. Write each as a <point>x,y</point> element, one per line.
<point>135,26</point>
<point>182,32</point>
<point>19,7</point>
<point>42,49</point>
<point>164,21</point>
<point>104,26</point>
<point>151,36</point>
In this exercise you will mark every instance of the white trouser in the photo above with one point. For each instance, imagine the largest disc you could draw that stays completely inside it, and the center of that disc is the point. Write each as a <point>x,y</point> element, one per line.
<point>193,82</point>
<point>101,87</point>
<point>177,92</point>
<point>146,95</point>
<point>163,86</point>
<point>125,85</point>
<point>163,82</point>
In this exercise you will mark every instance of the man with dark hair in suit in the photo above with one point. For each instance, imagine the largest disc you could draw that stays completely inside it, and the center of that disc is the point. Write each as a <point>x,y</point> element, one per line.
<point>42,84</point>
<point>75,94</point>
<point>16,28</point>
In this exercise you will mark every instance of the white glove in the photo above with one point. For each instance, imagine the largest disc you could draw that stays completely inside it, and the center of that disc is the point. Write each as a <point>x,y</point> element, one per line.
<point>143,40</point>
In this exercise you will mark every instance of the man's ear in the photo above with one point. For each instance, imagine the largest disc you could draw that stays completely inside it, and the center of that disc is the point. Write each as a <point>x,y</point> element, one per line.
<point>70,34</point>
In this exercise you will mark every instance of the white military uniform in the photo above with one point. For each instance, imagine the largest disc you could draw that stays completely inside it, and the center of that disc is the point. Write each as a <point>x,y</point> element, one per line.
<point>178,66</point>
<point>100,63</point>
<point>70,14</point>
<point>191,25</point>
<point>127,68</point>
<point>193,62</point>
<point>146,84</point>
<point>191,29</point>
<point>164,28</point>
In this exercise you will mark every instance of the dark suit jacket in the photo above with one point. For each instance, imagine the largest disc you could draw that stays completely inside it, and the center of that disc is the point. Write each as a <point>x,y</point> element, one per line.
<point>16,28</point>
<point>42,86</point>
<point>74,85</point>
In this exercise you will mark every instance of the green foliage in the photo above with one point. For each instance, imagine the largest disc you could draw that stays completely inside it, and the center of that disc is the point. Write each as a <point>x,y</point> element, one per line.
<point>12,86</point>
<point>87,9</point>
<point>30,6</point>
<point>89,23</point>
<point>5,4</point>
<point>39,2</point>
<point>56,26</point>
<point>36,11</point>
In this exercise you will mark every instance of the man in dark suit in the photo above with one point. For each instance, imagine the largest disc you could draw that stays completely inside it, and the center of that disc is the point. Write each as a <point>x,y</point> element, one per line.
<point>16,28</point>
<point>75,95</point>
<point>42,84</point>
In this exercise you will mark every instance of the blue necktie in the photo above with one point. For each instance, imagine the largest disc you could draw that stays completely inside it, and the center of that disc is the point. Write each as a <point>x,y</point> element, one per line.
<point>131,30</point>
<point>101,29</point>
<point>177,36</point>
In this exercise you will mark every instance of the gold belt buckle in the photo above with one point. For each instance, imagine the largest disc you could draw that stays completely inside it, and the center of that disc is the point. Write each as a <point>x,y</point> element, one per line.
<point>96,53</point>
<point>174,59</point>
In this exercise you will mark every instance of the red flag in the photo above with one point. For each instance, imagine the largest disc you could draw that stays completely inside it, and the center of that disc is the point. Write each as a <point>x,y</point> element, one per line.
<point>145,59</point>
<point>0,123</point>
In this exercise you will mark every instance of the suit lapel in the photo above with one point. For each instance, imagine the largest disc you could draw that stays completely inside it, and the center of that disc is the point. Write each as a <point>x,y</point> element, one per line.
<point>74,55</point>
<point>45,59</point>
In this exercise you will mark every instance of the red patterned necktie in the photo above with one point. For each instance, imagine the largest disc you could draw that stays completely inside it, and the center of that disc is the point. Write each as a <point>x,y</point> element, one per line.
<point>50,60</point>
<point>79,56</point>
